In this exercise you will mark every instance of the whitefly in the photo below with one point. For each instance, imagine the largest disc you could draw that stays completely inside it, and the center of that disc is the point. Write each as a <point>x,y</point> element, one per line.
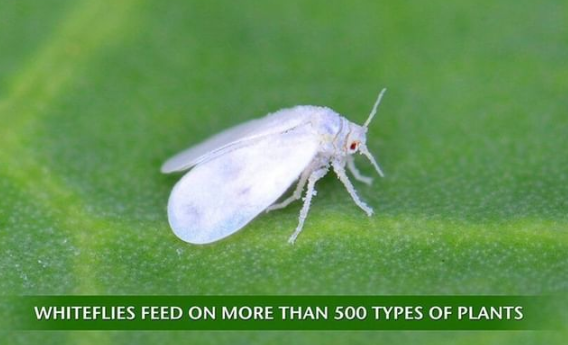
<point>243,171</point>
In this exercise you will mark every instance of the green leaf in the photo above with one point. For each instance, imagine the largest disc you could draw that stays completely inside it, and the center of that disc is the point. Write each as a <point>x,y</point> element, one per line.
<point>472,135</point>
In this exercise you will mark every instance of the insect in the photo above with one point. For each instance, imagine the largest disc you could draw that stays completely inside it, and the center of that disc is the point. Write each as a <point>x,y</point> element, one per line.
<point>243,170</point>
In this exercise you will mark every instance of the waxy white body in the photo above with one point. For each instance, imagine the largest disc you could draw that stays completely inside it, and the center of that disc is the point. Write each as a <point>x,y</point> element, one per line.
<point>243,171</point>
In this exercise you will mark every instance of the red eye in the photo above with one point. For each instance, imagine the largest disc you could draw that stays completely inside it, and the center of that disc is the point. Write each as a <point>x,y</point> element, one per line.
<point>353,146</point>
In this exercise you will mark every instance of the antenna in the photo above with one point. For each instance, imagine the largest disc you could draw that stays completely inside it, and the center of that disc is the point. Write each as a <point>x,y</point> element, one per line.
<point>365,152</point>
<point>375,106</point>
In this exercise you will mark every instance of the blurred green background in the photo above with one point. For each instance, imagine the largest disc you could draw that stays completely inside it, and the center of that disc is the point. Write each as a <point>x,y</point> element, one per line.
<point>472,134</point>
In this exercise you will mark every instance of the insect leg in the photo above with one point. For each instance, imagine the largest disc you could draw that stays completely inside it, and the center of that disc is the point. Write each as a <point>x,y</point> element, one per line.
<point>356,173</point>
<point>339,169</point>
<point>297,193</point>
<point>314,177</point>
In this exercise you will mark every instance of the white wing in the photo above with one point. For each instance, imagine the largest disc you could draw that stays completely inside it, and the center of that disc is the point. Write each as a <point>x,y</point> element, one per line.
<point>220,196</point>
<point>277,122</point>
